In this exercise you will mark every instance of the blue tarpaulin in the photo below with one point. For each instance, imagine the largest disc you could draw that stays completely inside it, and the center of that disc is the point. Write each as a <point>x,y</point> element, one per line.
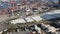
<point>4,4</point>
<point>50,16</point>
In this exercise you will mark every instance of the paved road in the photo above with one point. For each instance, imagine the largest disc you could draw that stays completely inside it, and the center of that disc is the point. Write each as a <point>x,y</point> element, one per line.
<point>3,18</point>
<point>21,32</point>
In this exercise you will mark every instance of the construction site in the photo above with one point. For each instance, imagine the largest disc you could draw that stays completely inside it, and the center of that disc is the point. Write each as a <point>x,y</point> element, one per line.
<point>29,16</point>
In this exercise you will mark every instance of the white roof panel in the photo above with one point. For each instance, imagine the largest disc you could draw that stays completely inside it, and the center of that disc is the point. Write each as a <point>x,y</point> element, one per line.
<point>37,18</point>
<point>29,19</point>
<point>53,12</point>
<point>18,21</point>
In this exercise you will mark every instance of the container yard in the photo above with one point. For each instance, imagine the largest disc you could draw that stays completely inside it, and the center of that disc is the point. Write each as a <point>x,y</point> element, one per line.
<point>29,16</point>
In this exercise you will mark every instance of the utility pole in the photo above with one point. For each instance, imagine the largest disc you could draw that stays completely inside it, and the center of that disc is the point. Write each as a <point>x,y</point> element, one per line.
<point>12,12</point>
<point>13,6</point>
